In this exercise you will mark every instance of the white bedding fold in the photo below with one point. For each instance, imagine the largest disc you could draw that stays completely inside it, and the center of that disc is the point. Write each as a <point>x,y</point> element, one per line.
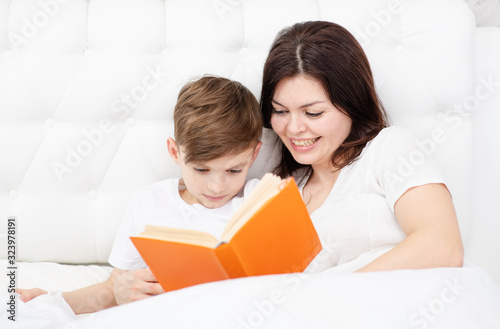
<point>434,298</point>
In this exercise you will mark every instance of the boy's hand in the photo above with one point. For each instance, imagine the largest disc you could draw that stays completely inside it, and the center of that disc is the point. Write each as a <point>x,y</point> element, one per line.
<point>28,294</point>
<point>135,285</point>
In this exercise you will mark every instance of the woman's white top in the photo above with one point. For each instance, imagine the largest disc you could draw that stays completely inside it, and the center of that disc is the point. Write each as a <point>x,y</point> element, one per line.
<point>356,222</point>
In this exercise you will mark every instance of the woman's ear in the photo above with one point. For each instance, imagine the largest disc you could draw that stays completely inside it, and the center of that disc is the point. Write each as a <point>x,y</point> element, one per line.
<point>173,150</point>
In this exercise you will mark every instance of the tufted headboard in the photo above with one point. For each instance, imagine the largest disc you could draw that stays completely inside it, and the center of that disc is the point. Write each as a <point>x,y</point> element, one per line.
<point>88,87</point>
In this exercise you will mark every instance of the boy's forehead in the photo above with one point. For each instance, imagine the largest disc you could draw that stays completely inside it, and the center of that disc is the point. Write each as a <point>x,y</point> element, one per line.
<point>239,159</point>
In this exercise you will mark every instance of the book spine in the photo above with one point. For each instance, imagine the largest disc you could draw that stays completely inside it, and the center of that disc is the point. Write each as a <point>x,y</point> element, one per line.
<point>230,261</point>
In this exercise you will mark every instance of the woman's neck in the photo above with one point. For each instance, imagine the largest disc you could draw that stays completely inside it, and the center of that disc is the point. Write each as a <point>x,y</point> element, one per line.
<point>325,174</point>
<point>323,180</point>
<point>318,187</point>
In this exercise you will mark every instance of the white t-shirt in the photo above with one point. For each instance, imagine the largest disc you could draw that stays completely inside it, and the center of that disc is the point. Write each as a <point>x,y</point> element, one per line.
<point>161,204</point>
<point>357,218</point>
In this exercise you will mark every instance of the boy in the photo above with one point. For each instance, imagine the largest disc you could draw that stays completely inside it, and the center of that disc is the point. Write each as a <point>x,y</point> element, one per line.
<point>218,126</point>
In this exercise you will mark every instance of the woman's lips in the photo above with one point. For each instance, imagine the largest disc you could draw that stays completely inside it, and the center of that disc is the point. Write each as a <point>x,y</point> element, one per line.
<point>303,144</point>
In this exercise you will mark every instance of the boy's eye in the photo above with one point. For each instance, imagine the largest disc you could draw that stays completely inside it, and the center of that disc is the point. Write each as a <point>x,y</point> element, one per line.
<point>235,171</point>
<point>201,170</point>
<point>314,114</point>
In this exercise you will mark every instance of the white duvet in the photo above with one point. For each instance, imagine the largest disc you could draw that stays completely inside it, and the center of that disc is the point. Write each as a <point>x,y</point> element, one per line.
<point>433,298</point>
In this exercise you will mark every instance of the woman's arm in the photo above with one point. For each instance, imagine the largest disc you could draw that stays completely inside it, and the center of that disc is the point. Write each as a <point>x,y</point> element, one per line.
<point>427,216</point>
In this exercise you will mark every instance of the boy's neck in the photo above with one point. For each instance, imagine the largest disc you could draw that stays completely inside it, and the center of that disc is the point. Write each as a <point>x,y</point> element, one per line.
<point>184,193</point>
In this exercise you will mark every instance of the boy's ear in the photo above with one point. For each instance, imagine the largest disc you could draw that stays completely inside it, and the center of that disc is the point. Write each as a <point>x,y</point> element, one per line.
<point>256,151</point>
<point>173,150</point>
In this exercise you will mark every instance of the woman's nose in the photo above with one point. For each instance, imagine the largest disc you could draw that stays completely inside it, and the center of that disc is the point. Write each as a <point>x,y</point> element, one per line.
<point>296,124</point>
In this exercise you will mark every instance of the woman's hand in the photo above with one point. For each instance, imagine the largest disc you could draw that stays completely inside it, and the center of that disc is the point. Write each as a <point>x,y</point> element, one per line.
<point>135,285</point>
<point>28,294</point>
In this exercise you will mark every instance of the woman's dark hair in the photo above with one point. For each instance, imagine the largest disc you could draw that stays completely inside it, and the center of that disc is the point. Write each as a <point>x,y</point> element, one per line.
<point>330,54</point>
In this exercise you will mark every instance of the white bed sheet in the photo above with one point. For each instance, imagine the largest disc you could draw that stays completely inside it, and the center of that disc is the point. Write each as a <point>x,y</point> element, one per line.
<point>53,276</point>
<point>433,298</point>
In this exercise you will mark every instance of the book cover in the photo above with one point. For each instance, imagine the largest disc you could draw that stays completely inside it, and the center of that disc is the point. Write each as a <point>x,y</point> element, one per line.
<point>271,233</point>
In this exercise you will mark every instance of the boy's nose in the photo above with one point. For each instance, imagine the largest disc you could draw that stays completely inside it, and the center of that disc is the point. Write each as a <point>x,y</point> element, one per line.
<point>216,185</point>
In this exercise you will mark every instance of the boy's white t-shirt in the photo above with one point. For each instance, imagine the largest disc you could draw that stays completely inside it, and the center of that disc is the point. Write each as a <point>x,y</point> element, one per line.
<point>161,204</point>
<point>357,218</point>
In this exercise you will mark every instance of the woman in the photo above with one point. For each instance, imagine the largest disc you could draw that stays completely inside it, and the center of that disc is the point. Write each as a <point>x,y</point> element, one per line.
<point>368,197</point>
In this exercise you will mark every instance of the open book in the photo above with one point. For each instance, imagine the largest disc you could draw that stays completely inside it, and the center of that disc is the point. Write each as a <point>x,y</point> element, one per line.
<point>270,233</point>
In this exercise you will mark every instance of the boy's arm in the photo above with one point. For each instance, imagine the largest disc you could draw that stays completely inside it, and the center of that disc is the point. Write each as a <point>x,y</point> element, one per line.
<point>121,287</point>
<point>95,297</point>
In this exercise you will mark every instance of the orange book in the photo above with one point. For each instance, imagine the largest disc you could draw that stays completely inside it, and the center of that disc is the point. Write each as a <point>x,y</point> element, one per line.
<point>270,233</point>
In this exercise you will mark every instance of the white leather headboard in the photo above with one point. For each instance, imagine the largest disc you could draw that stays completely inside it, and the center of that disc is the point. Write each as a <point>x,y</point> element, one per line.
<point>87,90</point>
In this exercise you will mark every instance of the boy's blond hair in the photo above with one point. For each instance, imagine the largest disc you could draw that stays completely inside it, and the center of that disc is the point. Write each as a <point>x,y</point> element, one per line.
<point>216,117</point>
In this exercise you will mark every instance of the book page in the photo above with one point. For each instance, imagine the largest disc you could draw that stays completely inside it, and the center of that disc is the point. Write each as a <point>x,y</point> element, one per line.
<point>180,236</point>
<point>266,189</point>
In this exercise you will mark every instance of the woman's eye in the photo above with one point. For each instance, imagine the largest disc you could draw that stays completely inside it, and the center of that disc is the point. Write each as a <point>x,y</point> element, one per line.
<point>314,114</point>
<point>278,112</point>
